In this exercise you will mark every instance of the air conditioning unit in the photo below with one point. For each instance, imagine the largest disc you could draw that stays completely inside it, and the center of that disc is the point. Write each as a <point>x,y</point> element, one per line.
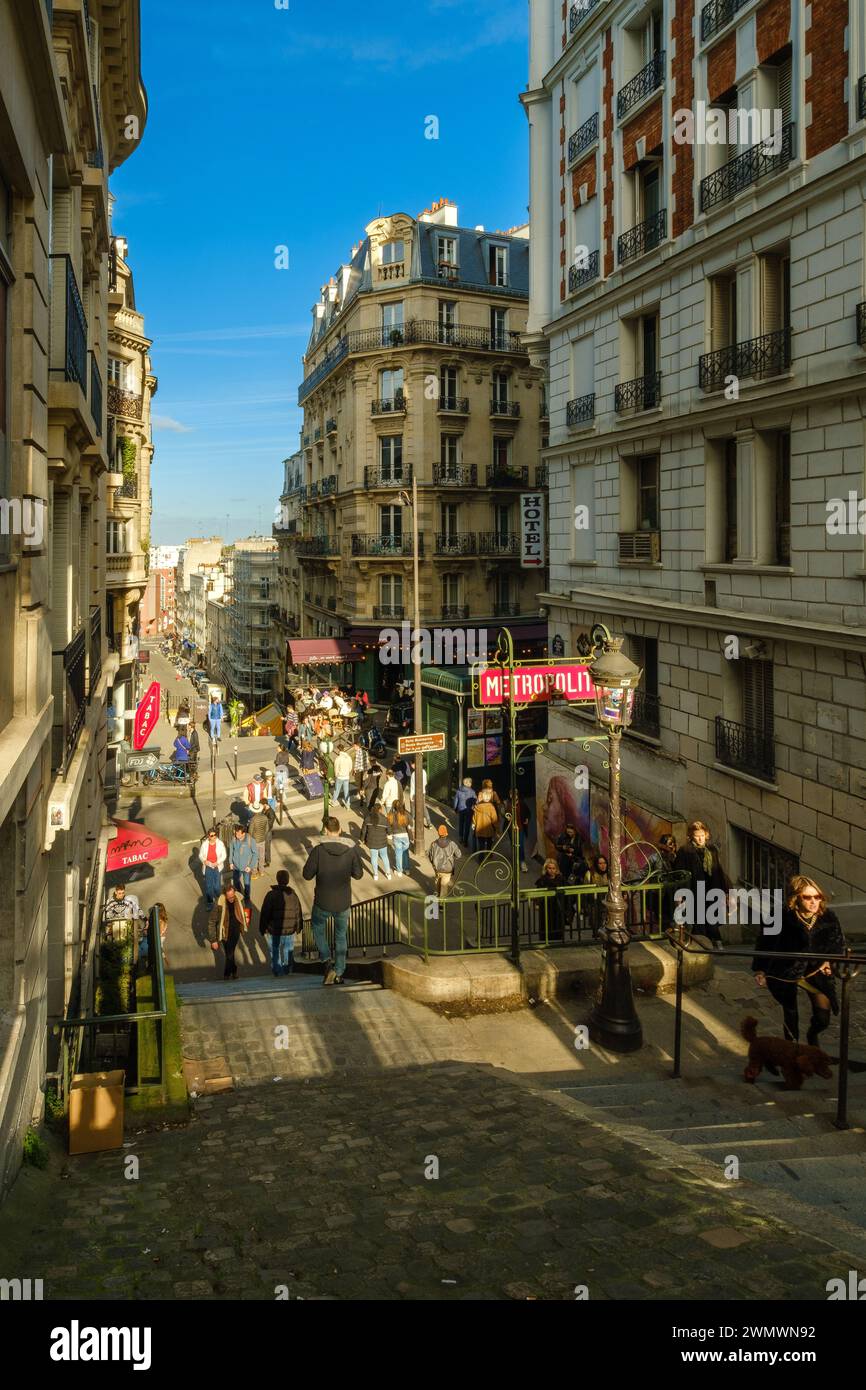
<point>640,547</point>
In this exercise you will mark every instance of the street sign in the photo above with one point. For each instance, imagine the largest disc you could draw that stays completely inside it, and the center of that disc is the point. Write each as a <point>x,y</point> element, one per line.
<point>140,762</point>
<point>536,684</point>
<point>146,717</point>
<point>421,743</point>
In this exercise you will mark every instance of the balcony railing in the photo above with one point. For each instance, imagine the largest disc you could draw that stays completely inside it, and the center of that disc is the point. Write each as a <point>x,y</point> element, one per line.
<point>580,411</point>
<point>317,434</point>
<point>125,403</point>
<point>385,545</point>
<point>640,547</point>
<point>331,427</point>
<point>578,13</point>
<point>128,488</point>
<point>541,475</point>
<point>746,749</point>
<point>643,393</point>
<point>580,275</point>
<point>583,138</point>
<point>746,169</point>
<point>317,545</point>
<point>389,612</point>
<point>501,409</point>
<point>861,324</point>
<point>500,476</point>
<point>68,323</point>
<point>94,664</point>
<point>455,612</point>
<point>451,543</point>
<point>69,670</point>
<point>387,477</point>
<point>645,717</point>
<point>329,485</point>
<point>455,475</point>
<point>332,603</point>
<point>391,405</point>
<point>861,99</point>
<point>646,236</point>
<point>506,610</point>
<point>498,543</point>
<point>96,394</point>
<point>415,332</point>
<point>717,14</point>
<point>759,357</point>
<point>313,492</point>
<point>454,405</point>
<point>646,81</point>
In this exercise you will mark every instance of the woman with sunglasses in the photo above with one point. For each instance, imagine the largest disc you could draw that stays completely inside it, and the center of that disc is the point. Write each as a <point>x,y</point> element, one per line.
<point>808,924</point>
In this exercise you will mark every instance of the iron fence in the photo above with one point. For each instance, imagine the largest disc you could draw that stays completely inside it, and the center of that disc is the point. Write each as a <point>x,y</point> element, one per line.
<point>72,326</point>
<point>646,236</point>
<point>580,411</point>
<point>745,749</point>
<point>455,475</point>
<point>70,680</point>
<point>717,14</point>
<point>578,13</point>
<point>449,543</point>
<point>578,276</point>
<point>583,138</point>
<point>643,393</point>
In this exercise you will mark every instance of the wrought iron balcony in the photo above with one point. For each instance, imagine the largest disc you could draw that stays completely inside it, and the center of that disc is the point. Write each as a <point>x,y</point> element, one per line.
<point>578,276</point>
<point>128,488</point>
<point>392,405</point>
<point>646,236</point>
<point>454,405</point>
<point>504,409</point>
<point>541,475</point>
<point>861,99</point>
<point>645,717</point>
<point>306,441</point>
<point>544,412</point>
<point>580,411</point>
<point>387,477</point>
<point>96,394</point>
<point>68,323</point>
<point>746,169</point>
<point>861,324</point>
<point>331,427</point>
<point>642,84</point>
<point>317,545</point>
<point>94,660</point>
<point>455,475</point>
<point>746,749</point>
<point>389,612</point>
<point>643,393</point>
<point>313,492</point>
<point>759,357</point>
<point>317,435</point>
<point>717,14</point>
<point>455,612</point>
<point>125,403</point>
<point>69,670</point>
<point>450,543</point>
<point>506,610</point>
<point>583,138</point>
<point>498,543</point>
<point>640,547</point>
<point>578,13</point>
<point>385,545</point>
<point>500,476</point>
<point>329,486</point>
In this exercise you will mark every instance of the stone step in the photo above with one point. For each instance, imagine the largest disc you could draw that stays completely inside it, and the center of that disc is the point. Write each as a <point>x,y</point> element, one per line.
<point>265,987</point>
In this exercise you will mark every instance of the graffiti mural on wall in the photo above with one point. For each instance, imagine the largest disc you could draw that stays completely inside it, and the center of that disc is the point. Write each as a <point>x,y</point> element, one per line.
<point>559,803</point>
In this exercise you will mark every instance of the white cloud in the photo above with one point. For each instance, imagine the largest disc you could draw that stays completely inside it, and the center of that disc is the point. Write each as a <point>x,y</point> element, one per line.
<point>165,422</point>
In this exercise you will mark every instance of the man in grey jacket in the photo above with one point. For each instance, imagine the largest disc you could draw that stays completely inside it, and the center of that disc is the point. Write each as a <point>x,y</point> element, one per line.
<point>244,860</point>
<point>333,864</point>
<point>444,855</point>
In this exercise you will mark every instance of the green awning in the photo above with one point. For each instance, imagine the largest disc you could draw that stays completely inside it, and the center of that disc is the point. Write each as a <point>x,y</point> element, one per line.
<point>457,680</point>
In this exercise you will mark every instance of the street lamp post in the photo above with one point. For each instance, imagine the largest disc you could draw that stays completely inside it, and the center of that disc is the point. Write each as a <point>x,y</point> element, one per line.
<point>614,1022</point>
<point>420,798</point>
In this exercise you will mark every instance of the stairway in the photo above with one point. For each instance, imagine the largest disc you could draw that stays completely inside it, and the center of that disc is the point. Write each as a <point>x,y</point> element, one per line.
<point>783,1139</point>
<point>256,987</point>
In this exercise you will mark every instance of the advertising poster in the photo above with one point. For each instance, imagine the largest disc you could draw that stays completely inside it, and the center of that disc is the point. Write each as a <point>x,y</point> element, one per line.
<point>493,721</point>
<point>559,803</point>
<point>475,752</point>
<point>494,751</point>
<point>474,722</point>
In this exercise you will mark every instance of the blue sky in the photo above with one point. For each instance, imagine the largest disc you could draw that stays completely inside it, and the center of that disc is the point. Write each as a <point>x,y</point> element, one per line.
<point>291,127</point>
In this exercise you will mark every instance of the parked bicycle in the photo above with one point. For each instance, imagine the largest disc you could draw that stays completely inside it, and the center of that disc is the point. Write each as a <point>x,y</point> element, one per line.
<point>169,772</point>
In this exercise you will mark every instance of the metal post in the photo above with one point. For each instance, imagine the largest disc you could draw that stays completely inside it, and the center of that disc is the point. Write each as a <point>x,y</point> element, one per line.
<point>678,1015</point>
<point>236,759</point>
<point>213,765</point>
<point>841,1120</point>
<point>614,1022</point>
<point>512,778</point>
<point>420,800</point>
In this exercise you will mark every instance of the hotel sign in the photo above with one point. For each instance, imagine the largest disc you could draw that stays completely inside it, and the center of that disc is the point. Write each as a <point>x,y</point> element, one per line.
<point>535,685</point>
<point>532,530</point>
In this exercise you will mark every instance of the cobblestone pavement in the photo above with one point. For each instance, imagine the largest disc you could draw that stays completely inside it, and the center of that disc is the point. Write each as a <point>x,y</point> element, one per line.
<point>322,1187</point>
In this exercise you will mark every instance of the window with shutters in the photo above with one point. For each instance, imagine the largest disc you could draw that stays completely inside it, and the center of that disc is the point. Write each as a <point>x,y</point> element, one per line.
<point>745,742</point>
<point>782,535</point>
<point>723,311</point>
<point>449,453</point>
<point>757,695</point>
<point>451,591</point>
<point>775,285</point>
<point>644,652</point>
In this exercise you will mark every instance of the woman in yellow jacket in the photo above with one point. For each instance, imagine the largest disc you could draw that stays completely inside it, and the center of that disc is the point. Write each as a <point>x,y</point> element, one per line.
<point>484,821</point>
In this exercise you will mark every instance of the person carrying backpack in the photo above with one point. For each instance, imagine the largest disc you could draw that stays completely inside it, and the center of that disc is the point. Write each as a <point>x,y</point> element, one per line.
<point>444,855</point>
<point>281,919</point>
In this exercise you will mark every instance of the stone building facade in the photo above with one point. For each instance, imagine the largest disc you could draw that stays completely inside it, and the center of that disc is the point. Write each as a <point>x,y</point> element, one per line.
<point>288,610</point>
<point>249,669</point>
<point>699,310</point>
<point>72,108</point>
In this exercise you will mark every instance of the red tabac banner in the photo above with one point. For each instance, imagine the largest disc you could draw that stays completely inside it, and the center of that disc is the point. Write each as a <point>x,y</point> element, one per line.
<point>146,717</point>
<point>133,844</point>
<point>535,684</point>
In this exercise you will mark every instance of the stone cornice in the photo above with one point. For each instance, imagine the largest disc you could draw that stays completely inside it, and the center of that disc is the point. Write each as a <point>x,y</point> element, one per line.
<point>619,602</point>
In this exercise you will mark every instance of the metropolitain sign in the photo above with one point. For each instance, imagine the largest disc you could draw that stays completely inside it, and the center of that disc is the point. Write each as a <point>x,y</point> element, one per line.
<point>536,684</point>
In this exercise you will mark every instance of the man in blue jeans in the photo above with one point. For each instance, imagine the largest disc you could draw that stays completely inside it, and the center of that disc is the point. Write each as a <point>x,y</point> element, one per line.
<point>333,864</point>
<point>244,860</point>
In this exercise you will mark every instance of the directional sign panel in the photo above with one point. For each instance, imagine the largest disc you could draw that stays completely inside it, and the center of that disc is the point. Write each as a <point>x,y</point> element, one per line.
<point>421,743</point>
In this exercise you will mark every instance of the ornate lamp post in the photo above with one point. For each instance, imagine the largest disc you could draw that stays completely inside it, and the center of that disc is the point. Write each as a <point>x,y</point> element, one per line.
<point>614,1022</point>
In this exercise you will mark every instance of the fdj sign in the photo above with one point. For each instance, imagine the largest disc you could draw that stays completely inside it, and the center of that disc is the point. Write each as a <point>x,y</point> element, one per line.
<point>535,684</point>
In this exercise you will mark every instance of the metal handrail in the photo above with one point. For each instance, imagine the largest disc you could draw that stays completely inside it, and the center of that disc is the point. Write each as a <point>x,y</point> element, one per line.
<point>850,958</point>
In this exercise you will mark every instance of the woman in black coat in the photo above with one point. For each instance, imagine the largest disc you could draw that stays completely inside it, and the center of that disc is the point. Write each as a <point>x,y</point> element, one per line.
<point>808,924</point>
<point>550,879</point>
<point>702,862</point>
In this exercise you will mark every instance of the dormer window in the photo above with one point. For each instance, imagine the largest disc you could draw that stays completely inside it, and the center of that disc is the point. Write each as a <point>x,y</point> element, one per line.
<point>392,252</point>
<point>447,255</point>
<point>498,265</point>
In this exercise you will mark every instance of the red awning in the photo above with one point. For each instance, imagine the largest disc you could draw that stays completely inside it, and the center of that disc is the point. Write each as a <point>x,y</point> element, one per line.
<point>323,651</point>
<point>133,844</point>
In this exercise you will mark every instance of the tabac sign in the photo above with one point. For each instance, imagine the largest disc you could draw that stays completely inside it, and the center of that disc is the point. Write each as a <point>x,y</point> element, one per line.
<point>536,684</point>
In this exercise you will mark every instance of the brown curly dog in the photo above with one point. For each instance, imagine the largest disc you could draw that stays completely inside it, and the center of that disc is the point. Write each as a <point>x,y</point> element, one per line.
<point>794,1060</point>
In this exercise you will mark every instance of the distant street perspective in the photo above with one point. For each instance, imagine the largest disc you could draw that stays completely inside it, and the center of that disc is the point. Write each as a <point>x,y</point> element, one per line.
<point>433,723</point>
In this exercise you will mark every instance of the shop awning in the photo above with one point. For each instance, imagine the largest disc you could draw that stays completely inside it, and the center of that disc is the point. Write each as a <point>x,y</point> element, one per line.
<point>323,651</point>
<point>458,680</point>
<point>133,844</point>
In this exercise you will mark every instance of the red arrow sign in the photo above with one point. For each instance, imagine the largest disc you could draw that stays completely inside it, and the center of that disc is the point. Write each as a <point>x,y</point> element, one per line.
<point>146,717</point>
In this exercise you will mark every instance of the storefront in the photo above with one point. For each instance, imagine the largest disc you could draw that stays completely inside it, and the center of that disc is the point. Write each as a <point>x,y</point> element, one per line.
<point>323,660</point>
<point>386,652</point>
<point>477,742</point>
